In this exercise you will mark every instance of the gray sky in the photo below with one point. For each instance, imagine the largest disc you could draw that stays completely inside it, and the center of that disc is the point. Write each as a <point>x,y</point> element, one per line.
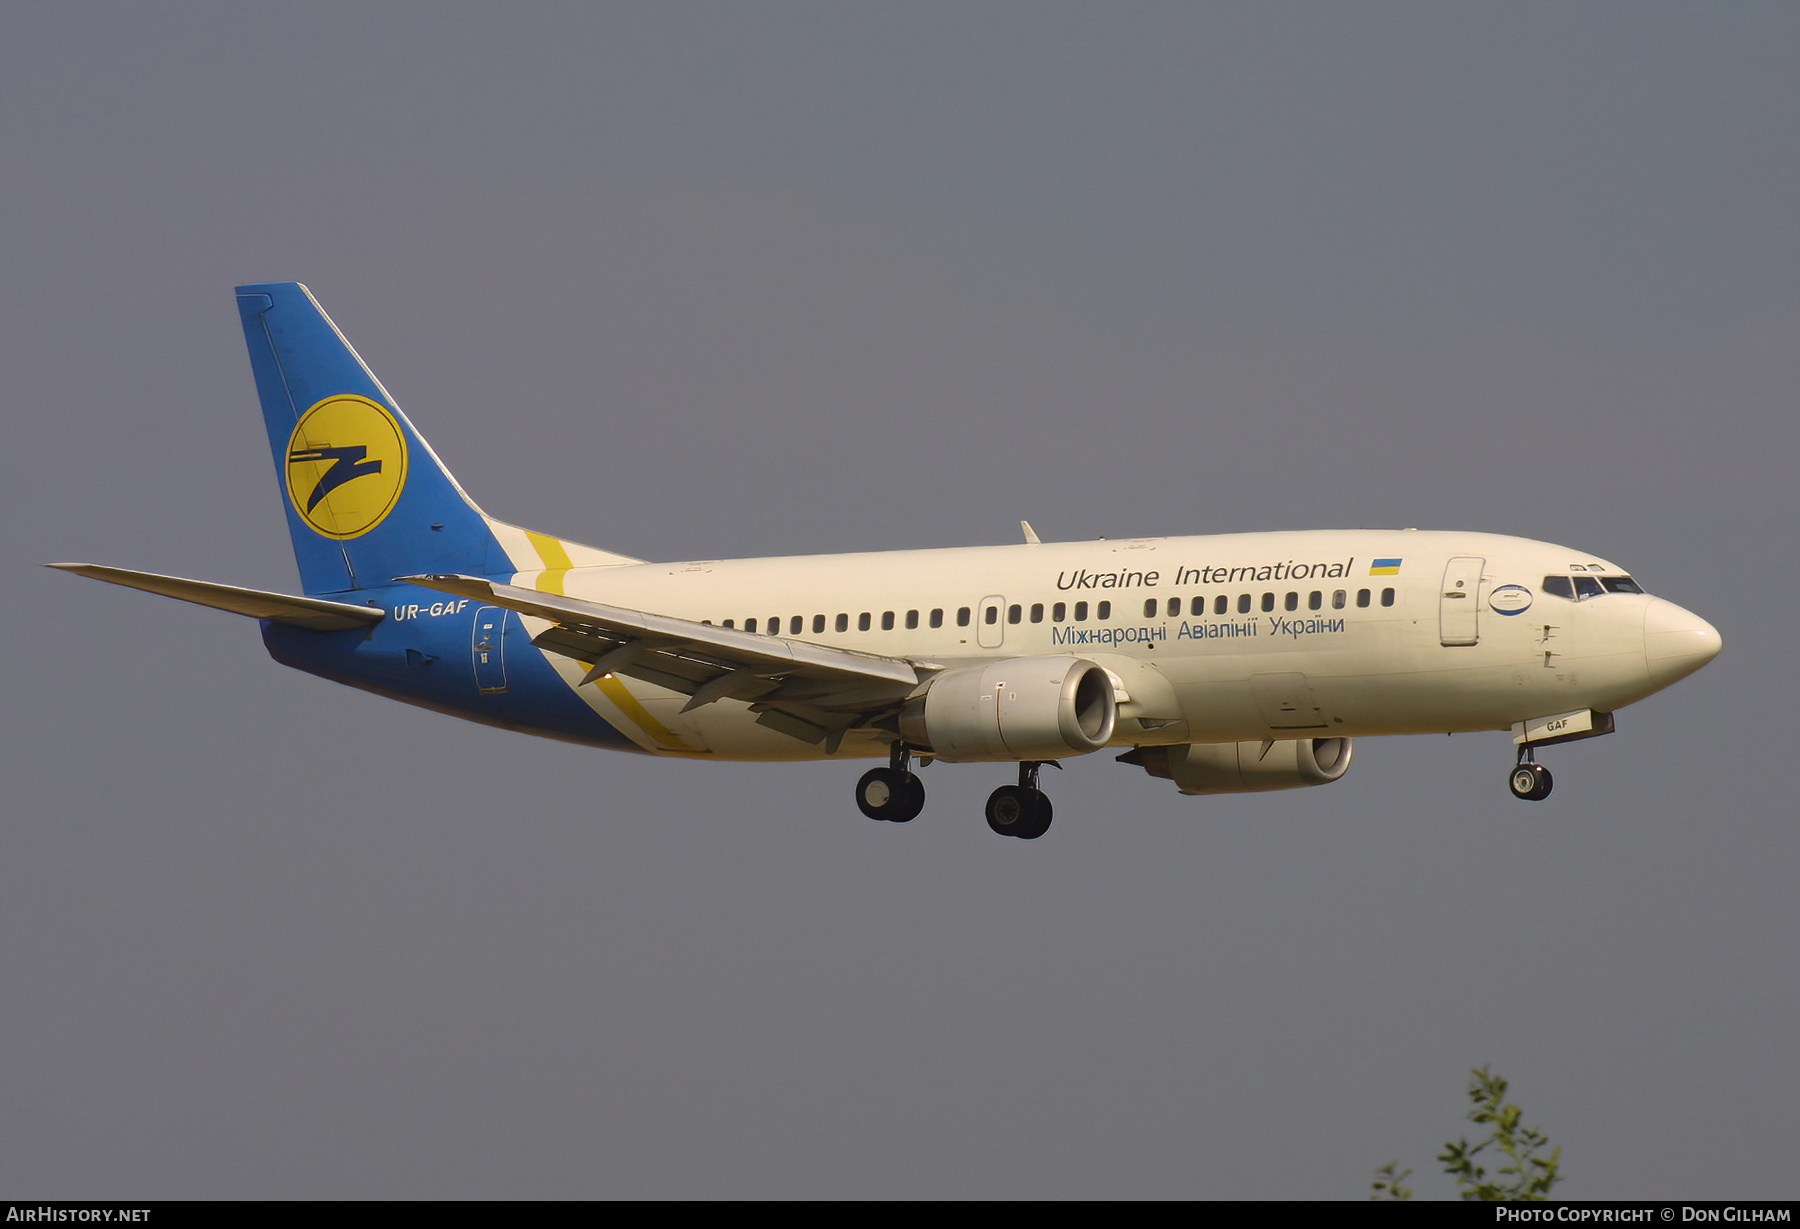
<point>699,281</point>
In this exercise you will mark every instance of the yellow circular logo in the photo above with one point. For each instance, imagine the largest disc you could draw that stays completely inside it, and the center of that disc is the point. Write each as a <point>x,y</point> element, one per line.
<point>346,465</point>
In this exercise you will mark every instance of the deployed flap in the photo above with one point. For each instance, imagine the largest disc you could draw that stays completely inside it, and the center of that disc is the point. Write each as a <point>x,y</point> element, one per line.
<point>308,612</point>
<point>692,658</point>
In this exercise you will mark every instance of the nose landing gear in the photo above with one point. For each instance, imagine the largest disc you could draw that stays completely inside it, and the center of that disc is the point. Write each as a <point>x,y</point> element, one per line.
<point>893,793</point>
<point>1021,810</point>
<point>1530,780</point>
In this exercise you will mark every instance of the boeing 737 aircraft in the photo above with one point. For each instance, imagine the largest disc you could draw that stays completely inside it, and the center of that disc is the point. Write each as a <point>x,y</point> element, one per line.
<point>1224,664</point>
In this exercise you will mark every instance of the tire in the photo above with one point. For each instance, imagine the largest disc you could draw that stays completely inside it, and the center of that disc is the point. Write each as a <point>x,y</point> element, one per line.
<point>1013,810</point>
<point>882,793</point>
<point>1530,782</point>
<point>1522,781</point>
<point>1009,809</point>
<point>1038,822</point>
<point>1544,783</point>
<point>910,802</point>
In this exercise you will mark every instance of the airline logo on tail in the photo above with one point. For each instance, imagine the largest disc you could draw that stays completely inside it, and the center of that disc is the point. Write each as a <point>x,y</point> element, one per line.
<point>346,465</point>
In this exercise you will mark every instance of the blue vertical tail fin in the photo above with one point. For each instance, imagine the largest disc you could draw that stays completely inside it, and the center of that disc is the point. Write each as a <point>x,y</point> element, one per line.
<point>366,498</point>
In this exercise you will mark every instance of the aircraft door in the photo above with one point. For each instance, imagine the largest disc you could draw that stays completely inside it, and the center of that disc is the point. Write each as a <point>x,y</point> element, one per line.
<point>1459,606</point>
<point>990,622</point>
<point>488,648</point>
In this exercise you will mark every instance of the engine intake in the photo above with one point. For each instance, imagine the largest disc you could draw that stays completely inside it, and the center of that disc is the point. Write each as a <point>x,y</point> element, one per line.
<point>1018,708</point>
<point>1245,768</point>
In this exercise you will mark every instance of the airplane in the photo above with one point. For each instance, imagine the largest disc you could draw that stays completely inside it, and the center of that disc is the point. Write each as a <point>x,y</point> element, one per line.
<point>1230,663</point>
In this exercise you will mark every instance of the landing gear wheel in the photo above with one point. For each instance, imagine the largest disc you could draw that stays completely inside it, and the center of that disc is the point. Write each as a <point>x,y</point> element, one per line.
<point>1530,782</point>
<point>1040,821</point>
<point>1018,810</point>
<point>890,794</point>
<point>915,801</point>
<point>1006,806</point>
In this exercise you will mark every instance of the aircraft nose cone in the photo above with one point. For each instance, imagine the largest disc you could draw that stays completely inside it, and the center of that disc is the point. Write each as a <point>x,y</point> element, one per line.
<point>1676,643</point>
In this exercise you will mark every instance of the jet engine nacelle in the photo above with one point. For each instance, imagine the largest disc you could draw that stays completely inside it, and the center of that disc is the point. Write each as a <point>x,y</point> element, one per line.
<point>1245,768</point>
<point>1018,708</point>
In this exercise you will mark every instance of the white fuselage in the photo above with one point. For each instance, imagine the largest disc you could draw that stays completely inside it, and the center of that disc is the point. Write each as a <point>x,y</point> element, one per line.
<point>1209,639</point>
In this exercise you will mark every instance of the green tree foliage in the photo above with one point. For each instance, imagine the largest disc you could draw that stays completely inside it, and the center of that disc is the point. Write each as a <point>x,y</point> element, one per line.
<point>1386,1187</point>
<point>1527,1175</point>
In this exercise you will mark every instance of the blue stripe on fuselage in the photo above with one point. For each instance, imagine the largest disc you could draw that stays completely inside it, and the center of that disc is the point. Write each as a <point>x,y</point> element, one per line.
<point>422,654</point>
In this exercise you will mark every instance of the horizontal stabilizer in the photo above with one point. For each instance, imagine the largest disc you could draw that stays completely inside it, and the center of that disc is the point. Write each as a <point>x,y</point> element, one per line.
<point>308,612</point>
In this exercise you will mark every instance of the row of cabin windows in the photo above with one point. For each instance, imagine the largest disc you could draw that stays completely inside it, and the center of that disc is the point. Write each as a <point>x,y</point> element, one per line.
<point>1059,612</point>
<point>1222,603</point>
<point>797,623</point>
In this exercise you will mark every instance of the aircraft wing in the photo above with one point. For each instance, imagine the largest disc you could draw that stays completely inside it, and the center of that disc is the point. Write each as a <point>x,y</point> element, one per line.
<point>811,691</point>
<point>314,614</point>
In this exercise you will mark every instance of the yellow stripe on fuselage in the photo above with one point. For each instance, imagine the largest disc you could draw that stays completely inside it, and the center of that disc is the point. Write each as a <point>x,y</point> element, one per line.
<point>628,704</point>
<point>556,562</point>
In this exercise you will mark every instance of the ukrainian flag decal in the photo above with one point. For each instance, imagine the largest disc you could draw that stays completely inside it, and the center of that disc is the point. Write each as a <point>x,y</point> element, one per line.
<point>1385,567</point>
<point>346,465</point>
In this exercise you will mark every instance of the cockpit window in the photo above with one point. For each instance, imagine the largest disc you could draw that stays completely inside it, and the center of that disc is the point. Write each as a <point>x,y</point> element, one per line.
<point>1581,588</point>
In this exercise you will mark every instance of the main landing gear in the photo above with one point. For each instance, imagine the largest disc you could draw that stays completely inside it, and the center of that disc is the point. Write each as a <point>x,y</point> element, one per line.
<point>1530,780</point>
<point>1021,810</point>
<point>893,793</point>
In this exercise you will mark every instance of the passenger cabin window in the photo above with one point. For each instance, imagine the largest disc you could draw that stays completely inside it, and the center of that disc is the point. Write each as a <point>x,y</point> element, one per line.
<point>1081,612</point>
<point>1362,597</point>
<point>962,616</point>
<point>937,617</point>
<point>887,620</point>
<point>1058,613</point>
<point>1175,605</point>
<point>1103,611</point>
<point>1221,605</point>
<point>1243,603</point>
<point>862,621</point>
<point>1315,600</point>
<point>842,622</point>
<point>818,624</point>
<point>1014,613</point>
<point>990,615</point>
<point>796,624</point>
<point>1387,597</point>
<point>1268,602</point>
<point>749,625</point>
<point>729,623</point>
<point>1293,602</point>
<point>1037,612</point>
<point>1150,607</point>
<point>1337,599</point>
<point>912,620</point>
